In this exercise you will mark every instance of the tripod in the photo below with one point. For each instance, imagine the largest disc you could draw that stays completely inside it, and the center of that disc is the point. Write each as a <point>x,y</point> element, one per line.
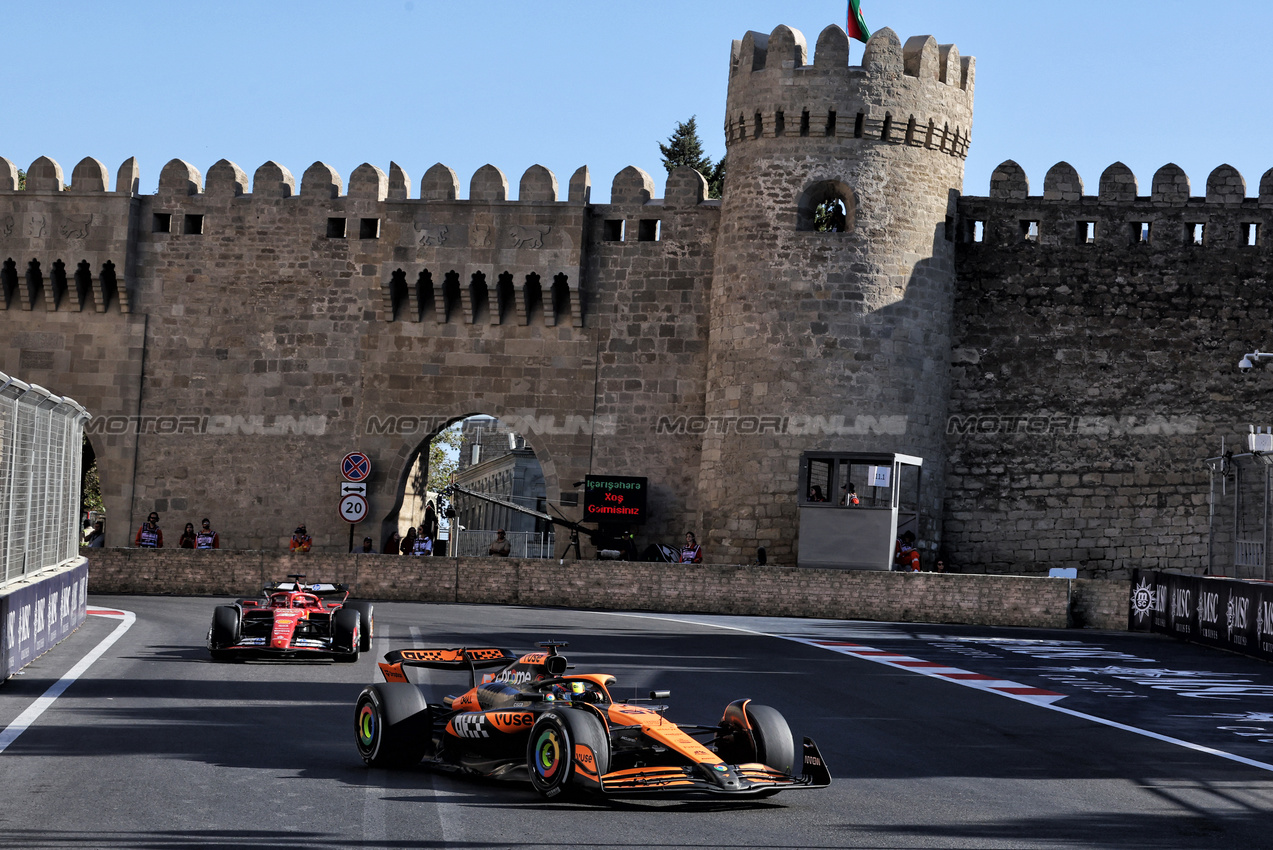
<point>574,544</point>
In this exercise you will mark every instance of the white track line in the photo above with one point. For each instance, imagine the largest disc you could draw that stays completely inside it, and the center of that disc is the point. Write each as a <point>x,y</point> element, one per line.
<point>35,709</point>
<point>1033,696</point>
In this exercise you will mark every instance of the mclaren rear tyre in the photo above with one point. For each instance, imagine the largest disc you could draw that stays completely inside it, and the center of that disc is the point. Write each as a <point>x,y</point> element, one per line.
<point>774,745</point>
<point>568,752</point>
<point>392,725</point>
<point>346,635</point>
<point>226,629</point>
<point>366,622</point>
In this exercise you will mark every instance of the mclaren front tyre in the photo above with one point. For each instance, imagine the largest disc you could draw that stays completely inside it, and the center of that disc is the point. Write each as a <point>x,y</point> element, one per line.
<point>568,751</point>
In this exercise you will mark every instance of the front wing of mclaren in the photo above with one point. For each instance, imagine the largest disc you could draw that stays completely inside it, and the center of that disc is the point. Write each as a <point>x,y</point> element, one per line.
<point>742,780</point>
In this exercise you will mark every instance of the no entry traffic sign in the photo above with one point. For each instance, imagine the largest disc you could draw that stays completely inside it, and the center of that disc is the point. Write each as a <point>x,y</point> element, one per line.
<point>356,467</point>
<point>353,508</point>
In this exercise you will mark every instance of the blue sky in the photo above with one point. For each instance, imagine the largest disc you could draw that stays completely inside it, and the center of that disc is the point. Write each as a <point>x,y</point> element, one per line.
<point>565,84</point>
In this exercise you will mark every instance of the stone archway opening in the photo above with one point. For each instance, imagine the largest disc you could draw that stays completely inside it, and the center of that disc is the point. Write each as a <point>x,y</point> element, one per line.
<point>826,206</point>
<point>92,508</point>
<point>481,454</point>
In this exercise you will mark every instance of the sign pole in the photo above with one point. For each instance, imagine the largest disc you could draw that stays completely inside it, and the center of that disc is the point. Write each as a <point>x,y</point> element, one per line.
<point>355,468</point>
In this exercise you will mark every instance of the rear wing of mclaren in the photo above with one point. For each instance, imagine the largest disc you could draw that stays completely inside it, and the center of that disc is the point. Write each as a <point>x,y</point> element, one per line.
<point>463,658</point>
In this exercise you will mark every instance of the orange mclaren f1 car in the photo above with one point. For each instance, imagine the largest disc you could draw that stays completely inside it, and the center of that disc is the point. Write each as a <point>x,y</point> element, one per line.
<point>568,735</point>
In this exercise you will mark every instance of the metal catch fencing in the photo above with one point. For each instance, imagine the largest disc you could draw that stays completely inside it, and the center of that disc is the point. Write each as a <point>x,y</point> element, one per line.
<point>522,544</point>
<point>41,445</point>
<point>1240,504</point>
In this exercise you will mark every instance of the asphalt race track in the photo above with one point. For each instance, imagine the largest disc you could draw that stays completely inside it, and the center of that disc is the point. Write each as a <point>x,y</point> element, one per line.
<point>936,737</point>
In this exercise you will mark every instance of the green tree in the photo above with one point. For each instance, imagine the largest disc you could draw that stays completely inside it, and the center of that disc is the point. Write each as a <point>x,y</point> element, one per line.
<point>444,457</point>
<point>684,147</point>
<point>829,216</point>
<point>22,180</point>
<point>91,492</point>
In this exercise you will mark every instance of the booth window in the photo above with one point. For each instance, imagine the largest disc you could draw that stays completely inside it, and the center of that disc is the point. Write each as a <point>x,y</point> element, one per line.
<point>819,478</point>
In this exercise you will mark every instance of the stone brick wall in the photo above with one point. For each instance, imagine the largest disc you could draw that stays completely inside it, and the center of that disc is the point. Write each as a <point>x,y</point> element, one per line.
<point>1091,378</point>
<point>618,585</point>
<point>271,332</point>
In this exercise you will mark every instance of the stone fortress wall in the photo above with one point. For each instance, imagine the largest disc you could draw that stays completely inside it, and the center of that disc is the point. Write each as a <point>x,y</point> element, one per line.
<point>254,333</point>
<point>236,338</point>
<point>1094,365</point>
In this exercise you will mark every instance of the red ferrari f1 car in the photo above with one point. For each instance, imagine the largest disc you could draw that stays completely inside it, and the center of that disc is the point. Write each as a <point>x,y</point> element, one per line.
<point>293,620</point>
<point>568,735</point>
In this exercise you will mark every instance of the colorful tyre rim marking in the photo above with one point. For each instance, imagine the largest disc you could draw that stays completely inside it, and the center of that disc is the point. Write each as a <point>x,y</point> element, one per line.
<point>367,725</point>
<point>548,759</point>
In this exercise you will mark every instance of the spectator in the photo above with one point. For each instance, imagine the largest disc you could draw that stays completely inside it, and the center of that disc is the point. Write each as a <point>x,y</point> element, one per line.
<point>815,494</point>
<point>907,557</point>
<point>367,548</point>
<point>940,566</point>
<point>96,537</point>
<point>691,552</point>
<point>394,545</point>
<point>849,497</point>
<point>500,547</point>
<point>207,538</point>
<point>408,542</point>
<point>423,545</point>
<point>150,536</point>
<point>187,540</point>
<point>301,541</point>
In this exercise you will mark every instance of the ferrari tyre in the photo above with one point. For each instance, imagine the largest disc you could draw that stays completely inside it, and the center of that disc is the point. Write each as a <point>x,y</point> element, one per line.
<point>226,626</point>
<point>346,639</point>
<point>366,622</point>
<point>774,745</point>
<point>392,725</point>
<point>557,753</point>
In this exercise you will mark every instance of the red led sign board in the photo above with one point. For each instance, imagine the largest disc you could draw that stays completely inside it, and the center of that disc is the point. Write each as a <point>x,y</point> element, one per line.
<point>614,498</point>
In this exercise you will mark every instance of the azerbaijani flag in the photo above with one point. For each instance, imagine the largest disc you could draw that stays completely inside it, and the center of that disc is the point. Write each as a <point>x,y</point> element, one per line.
<point>857,26</point>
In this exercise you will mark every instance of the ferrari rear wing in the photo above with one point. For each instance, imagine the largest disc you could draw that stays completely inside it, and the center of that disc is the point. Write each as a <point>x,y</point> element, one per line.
<point>462,658</point>
<point>323,589</point>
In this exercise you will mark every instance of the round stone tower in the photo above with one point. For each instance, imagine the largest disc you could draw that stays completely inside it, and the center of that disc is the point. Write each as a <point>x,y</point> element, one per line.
<point>830,339</point>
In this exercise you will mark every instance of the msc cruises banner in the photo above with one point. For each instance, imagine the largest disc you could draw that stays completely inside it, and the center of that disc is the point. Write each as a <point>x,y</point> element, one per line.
<point>1229,613</point>
<point>33,618</point>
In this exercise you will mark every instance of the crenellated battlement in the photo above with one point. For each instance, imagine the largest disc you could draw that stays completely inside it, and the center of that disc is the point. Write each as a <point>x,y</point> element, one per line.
<point>320,180</point>
<point>918,95</point>
<point>1168,217</point>
<point>437,256</point>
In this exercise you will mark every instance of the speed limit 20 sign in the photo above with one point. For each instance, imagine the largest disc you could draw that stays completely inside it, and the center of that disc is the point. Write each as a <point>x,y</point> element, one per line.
<point>353,507</point>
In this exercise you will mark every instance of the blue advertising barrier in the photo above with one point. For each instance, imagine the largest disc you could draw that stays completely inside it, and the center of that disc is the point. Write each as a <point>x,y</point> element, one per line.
<point>1229,613</point>
<point>35,617</point>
